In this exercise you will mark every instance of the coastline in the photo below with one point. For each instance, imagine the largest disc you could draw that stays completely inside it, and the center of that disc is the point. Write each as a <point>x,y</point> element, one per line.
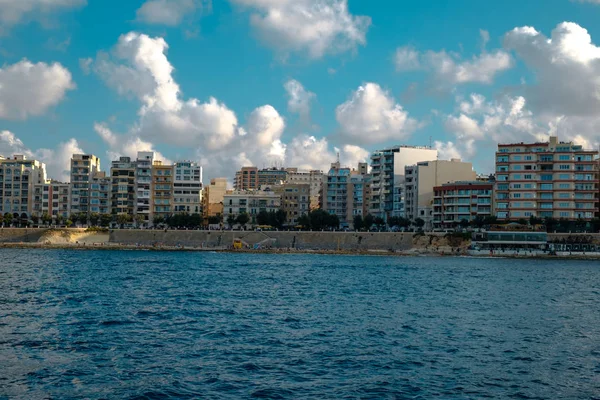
<point>273,251</point>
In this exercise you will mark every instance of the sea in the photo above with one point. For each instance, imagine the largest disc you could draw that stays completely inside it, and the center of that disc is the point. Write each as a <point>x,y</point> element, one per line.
<point>172,325</point>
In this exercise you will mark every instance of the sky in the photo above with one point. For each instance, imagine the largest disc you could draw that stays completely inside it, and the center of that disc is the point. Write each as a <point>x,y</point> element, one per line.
<point>293,83</point>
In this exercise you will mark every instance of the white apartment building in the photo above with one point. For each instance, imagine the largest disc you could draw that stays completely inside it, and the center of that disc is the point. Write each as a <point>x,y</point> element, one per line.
<point>187,187</point>
<point>387,177</point>
<point>100,194</point>
<point>250,202</point>
<point>122,174</point>
<point>546,180</point>
<point>420,180</point>
<point>83,168</point>
<point>18,177</point>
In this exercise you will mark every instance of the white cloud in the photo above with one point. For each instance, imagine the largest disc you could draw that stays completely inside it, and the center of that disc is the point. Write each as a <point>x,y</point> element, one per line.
<point>28,89</point>
<point>15,11</point>
<point>371,115</point>
<point>57,160</point>
<point>307,152</point>
<point>447,150</point>
<point>169,12</point>
<point>138,67</point>
<point>299,99</point>
<point>125,145</point>
<point>449,69</point>
<point>317,27</point>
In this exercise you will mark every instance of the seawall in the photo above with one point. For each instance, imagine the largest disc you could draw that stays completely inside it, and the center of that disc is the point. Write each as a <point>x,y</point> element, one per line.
<point>343,241</point>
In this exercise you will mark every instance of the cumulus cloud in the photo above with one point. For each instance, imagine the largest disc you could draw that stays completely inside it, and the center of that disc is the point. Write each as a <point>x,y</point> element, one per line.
<point>28,89</point>
<point>57,160</point>
<point>15,11</point>
<point>299,99</point>
<point>308,152</point>
<point>169,12</point>
<point>138,67</point>
<point>316,27</point>
<point>447,150</point>
<point>371,115</point>
<point>449,69</point>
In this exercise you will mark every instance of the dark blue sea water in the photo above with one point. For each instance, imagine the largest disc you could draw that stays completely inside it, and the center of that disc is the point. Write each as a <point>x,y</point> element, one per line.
<point>146,325</point>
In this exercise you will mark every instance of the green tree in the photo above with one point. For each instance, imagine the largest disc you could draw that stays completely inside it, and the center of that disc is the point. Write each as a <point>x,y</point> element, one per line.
<point>94,219</point>
<point>304,221</point>
<point>46,219</point>
<point>158,220</point>
<point>279,219</point>
<point>379,222</point>
<point>478,222</point>
<point>263,218</point>
<point>490,220</point>
<point>368,221</point>
<point>333,221</point>
<point>69,223</point>
<point>123,219</point>
<point>522,221</point>
<point>139,220</point>
<point>533,220</point>
<point>580,224</point>
<point>231,221</point>
<point>319,219</point>
<point>195,221</point>
<point>243,219</point>
<point>595,225</point>
<point>8,219</point>
<point>464,223</point>
<point>214,219</point>
<point>35,219</point>
<point>60,219</point>
<point>357,222</point>
<point>419,223</point>
<point>105,220</point>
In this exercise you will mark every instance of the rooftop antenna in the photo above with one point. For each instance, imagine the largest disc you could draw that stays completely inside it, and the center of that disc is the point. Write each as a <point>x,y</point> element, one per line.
<point>338,157</point>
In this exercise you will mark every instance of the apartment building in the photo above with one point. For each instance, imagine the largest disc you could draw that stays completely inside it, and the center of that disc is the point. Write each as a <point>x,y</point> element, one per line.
<point>457,201</point>
<point>387,177</point>
<point>53,199</point>
<point>295,200</point>
<point>313,178</point>
<point>161,195</point>
<point>246,179</point>
<point>213,196</point>
<point>345,193</point>
<point>83,168</point>
<point>547,180</point>
<point>143,186</point>
<point>420,180</point>
<point>187,188</point>
<point>18,176</point>
<point>251,202</point>
<point>122,173</point>
<point>100,194</point>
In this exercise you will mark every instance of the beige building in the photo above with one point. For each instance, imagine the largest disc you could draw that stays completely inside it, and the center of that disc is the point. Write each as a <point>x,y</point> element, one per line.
<point>83,168</point>
<point>346,193</point>
<point>420,180</point>
<point>18,177</point>
<point>52,198</point>
<point>100,194</point>
<point>212,198</point>
<point>546,180</point>
<point>161,195</point>
<point>313,178</point>
<point>143,186</point>
<point>295,200</point>
<point>246,179</point>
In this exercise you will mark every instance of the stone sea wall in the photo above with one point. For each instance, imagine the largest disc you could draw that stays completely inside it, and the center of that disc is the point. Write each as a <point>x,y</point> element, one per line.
<point>343,241</point>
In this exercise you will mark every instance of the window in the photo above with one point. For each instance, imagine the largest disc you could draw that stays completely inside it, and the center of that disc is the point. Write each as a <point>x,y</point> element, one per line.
<point>564,205</point>
<point>528,158</point>
<point>517,186</point>
<point>528,185</point>
<point>546,177</point>
<point>528,214</point>
<point>528,195</point>
<point>546,186</point>
<point>564,185</point>
<point>564,166</point>
<point>516,195</point>
<point>564,157</point>
<point>516,214</point>
<point>564,177</point>
<point>517,176</point>
<point>564,214</point>
<point>528,176</point>
<point>564,195</point>
<point>517,167</point>
<point>517,158</point>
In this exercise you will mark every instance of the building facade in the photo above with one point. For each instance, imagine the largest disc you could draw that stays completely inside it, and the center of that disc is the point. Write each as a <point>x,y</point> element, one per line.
<point>250,202</point>
<point>345,193</point>
<point>83,168</point>
<point>246,179</point>
<point>161,195</point>
<point>187,188</point>
<point>454,202</point>
<point>387,177</point>
<point>213,196</point>
<point>143,187</point>
<point>100,194</point>
<point>420,180</point>
<point>295,200</point>
<point>312,178</point>
<point>18,177</point>
<point>122,173</point>
<point>546,180</point>
<point>52,199</point>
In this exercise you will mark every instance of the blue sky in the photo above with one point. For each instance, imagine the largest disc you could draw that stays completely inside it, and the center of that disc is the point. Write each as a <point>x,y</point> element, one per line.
<point>282,82</point>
